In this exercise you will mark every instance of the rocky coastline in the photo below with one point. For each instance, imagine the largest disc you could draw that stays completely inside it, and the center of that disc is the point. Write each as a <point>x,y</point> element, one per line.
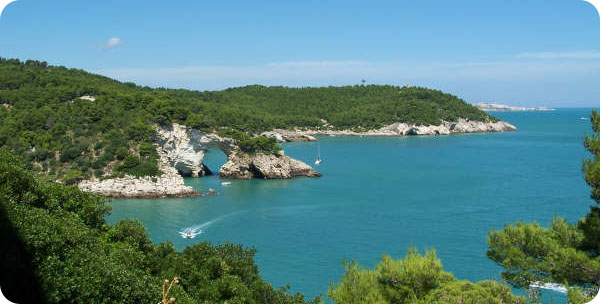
<point>169,184</point>
<point>398,129</point>
<point>493,107</point>
<point>181,152</point>
<point>265,166</point>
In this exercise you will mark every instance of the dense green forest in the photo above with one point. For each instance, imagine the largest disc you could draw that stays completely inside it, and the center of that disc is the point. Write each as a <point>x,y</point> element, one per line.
<point>415,279</point>
<point>57,248</point>
<point>72,125</point>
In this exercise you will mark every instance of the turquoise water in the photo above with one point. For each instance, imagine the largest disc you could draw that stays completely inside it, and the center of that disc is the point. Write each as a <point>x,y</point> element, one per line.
<point>384,195</point>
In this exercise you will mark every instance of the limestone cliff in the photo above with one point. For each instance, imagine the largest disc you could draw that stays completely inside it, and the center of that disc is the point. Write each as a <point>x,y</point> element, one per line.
<point>266,166</point>
<point>398,129</point>
<point>181,151</point>
<point>185,148</point>
<point>288,136</point>
<point>169,184</point>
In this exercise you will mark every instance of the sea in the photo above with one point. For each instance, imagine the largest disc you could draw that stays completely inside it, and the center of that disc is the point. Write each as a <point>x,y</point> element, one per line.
<point>385,195</point>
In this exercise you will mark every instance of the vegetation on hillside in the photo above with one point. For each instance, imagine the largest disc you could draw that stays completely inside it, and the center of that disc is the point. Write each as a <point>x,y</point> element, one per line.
<point>57,248</point>
<point>72,125</point>
<point>416,279</point>
<point>563,252</point>
<point>60,250</point>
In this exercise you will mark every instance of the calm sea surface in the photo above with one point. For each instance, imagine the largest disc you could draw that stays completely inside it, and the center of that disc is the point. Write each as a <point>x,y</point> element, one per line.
<point>384,195</point>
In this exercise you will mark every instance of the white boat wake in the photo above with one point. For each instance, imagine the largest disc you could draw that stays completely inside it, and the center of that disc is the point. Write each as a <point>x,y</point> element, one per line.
<point>193,231</point>
<point>189,233</point>
<point>549,286</point>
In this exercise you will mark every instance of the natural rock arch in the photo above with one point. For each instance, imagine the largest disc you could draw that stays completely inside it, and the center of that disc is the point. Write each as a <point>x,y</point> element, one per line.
<point>184,149</point>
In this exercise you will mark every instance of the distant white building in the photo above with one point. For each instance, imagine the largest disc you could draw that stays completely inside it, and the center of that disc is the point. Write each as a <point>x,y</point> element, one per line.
<point>88,97</point>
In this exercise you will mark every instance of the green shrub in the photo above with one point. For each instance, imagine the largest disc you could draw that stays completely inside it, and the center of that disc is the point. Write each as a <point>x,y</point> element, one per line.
<point>41,154</point>
<point>147,150</point>
<point>98,164</point>
<point>260,144</point>
<point>72,176</point>
<point>122,153</point>
<point>98,173</point>
<point>69,154</point>
<point>98,145</point>
<point>415,279</point>
<point>133,165</point>
<point>107,155</point>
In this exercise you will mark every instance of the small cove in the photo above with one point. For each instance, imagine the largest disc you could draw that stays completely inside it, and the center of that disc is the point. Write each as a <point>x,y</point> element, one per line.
<point>384,195</point>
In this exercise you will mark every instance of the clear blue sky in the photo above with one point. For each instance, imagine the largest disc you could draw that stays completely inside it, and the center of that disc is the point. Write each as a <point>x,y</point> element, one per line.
<point>519,52</point>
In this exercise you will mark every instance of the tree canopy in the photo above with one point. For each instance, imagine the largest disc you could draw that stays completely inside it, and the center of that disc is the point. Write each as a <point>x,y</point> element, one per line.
<point>62,248</point>
<point>415,279</point>
<point>563,252</point>
<point>72,125</point>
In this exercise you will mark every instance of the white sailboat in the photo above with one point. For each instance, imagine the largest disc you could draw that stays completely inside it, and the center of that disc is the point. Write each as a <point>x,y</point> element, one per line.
<point>318,161</point>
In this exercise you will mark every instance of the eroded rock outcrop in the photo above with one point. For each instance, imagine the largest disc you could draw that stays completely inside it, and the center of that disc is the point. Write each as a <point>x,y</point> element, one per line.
<point>181,151</point>
<point>169,184</point>
<point>266,166</point>
<point>446,128</point>
<point>288,136</point>
<point>185,148</point>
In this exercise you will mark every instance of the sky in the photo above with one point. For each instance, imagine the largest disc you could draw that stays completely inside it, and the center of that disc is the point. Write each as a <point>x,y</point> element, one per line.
<point>517,52</point>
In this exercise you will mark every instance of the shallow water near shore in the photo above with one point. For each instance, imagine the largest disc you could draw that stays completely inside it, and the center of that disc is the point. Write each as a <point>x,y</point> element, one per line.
<point>384,195</point>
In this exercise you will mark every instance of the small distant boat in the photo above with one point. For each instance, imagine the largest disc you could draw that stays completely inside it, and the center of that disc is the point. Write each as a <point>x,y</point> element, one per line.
<point>188,234</point>
<point>225,183</point>
<point>318,161</point>
<point>583,118</point>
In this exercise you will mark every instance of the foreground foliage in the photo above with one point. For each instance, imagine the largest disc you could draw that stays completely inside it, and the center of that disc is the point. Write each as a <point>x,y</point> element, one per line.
<point>563,252</point>
<point>416,279</point>
<point>72,125</point>
<point>60,238</point>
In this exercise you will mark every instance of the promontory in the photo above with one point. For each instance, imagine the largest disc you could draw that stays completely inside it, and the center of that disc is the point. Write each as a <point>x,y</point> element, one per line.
<point>125,140</point>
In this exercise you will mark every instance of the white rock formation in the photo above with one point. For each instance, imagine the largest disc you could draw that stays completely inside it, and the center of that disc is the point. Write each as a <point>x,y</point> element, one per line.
<point>266,166</point>
<point>169,184</point>
<point>500,107</point>
<point>181,151</point>
<point>403,129</point>
<point>185,148</point>
<point>287,136</point>
<point>88,97</point>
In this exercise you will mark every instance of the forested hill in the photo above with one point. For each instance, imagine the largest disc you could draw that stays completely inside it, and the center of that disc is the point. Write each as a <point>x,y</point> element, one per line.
<point>89,121</point>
